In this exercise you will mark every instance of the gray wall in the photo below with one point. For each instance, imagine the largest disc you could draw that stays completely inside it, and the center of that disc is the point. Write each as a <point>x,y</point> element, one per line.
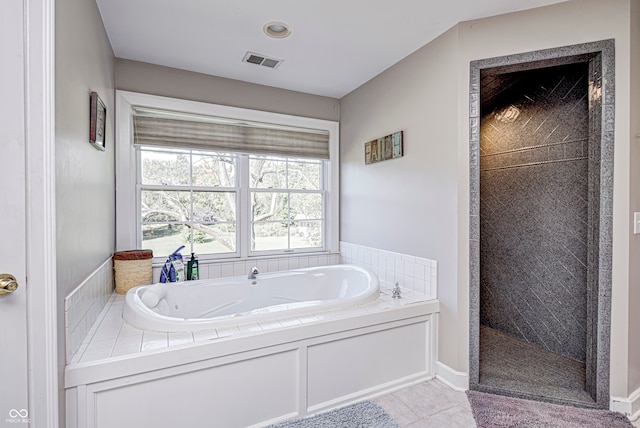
<point>170,82</point>
<point>85,183</point>
<point>426,95</point>
<point>409,204</point>
<point>419,204</point>
<point>534,206</point>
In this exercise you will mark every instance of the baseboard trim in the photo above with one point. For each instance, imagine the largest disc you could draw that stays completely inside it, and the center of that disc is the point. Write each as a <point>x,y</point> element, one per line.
<point>452,378</point>
<point>629,406</point>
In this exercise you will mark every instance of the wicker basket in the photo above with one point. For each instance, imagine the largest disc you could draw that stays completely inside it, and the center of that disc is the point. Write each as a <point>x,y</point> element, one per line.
<point>132,268</point>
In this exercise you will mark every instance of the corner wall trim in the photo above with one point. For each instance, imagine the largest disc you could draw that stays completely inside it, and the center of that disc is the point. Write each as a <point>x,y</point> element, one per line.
<point>454,379</point>
<point>628,406</point>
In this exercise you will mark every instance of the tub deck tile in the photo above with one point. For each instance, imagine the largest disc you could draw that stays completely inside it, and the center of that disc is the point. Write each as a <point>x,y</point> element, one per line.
<point>325,315</point>
<point>94,355</point>
<point>288,322</point>
<point>227,331</point>
<point>81,350</point>
<point>111,337</point>
<point>128,345</point>
<point>180,338</point>
<point>270,324</point>
<point>305,319</point>
<point>152,340</point>
<point>204,335</point>
<point>77,357</point>
<point>105,335</point>
<point>341,313</point>
<point>250,328</point>
<point>129,333</point>
<point>98,351</point>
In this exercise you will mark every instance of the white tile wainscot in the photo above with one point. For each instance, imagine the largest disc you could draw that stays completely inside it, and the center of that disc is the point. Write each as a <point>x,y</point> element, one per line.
<point>84,304</point>
<point>249,374</point>
<point>410,272</point>
<point>211,269</point>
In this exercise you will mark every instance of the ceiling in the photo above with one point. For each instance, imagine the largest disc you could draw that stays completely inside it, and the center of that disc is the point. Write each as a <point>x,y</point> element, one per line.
<point>335,45</point>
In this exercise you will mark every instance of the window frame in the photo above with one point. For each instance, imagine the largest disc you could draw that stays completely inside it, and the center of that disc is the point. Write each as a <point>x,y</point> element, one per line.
<point>322,191</point>
<point>127,193</point>
<point>140,187</point>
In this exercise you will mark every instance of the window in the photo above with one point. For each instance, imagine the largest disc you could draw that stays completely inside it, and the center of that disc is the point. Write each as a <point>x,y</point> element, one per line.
<point>286,203</point>
<point>193,198</point>
<point>270,189</point>
<point>187,197</point>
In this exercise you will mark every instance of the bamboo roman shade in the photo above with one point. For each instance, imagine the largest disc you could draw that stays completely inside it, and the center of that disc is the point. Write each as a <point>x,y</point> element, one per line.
<point>172,129</point>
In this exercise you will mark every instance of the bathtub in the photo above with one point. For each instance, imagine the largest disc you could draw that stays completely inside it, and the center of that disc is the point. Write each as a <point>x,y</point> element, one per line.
<point>126,377</point>
<point>207,304</point>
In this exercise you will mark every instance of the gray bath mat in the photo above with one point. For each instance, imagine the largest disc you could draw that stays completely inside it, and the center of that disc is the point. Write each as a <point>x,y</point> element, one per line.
<point>365,414</point>
<point>495,411</point>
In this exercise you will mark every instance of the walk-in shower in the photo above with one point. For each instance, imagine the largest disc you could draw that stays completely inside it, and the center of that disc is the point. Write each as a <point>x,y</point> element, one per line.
<point>541,161</point>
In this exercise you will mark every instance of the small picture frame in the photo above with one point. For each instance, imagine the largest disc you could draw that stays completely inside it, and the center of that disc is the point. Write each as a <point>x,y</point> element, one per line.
<point>97,121</point>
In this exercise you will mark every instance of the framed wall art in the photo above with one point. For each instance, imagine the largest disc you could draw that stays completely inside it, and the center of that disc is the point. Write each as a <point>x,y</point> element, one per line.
<point>97,121</point>
<point>384,148</point>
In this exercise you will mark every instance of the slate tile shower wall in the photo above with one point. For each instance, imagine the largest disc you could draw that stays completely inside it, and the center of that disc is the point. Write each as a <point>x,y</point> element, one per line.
<point>534,204</point>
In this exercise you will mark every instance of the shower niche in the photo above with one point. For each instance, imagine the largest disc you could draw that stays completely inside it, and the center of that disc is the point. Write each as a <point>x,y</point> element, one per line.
<point>541,160</point>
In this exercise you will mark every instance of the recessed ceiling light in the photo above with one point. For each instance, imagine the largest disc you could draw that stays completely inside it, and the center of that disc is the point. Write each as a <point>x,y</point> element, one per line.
<point>277,30</point>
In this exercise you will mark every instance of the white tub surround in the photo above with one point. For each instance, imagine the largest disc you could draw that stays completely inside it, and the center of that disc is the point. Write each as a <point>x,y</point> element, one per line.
<point>410,272</point>
<point>207,304</point>
<point>285,367</point>
<point>84,304</point>
<point>213,269</point>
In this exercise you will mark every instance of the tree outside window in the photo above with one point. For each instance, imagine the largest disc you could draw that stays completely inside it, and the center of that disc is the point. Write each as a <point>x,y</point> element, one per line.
<point>193,198</point>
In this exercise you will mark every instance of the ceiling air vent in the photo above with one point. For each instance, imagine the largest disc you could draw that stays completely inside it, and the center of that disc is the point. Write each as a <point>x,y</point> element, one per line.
<point>259,59</point>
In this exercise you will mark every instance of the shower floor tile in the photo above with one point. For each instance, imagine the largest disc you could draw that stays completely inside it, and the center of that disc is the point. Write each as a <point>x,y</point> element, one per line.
<point>514,367</point>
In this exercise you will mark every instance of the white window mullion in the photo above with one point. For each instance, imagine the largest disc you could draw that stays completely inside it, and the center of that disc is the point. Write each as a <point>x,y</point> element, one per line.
<point>181,188</point>
<point>286,183</point>
<point>326,203</point>
<point>139,189</point>
<point>243,213</point>
<point>191,249</point>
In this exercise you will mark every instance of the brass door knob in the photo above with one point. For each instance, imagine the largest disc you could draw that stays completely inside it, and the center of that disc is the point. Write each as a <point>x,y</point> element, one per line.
<point>8,284</point>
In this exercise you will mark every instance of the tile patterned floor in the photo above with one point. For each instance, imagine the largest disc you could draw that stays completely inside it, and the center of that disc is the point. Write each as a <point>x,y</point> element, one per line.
<point>431,404</point>
<point>428,404</point>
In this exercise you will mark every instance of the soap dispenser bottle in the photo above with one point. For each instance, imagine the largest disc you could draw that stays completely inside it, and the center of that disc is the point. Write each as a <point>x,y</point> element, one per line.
<point>192,268</point>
